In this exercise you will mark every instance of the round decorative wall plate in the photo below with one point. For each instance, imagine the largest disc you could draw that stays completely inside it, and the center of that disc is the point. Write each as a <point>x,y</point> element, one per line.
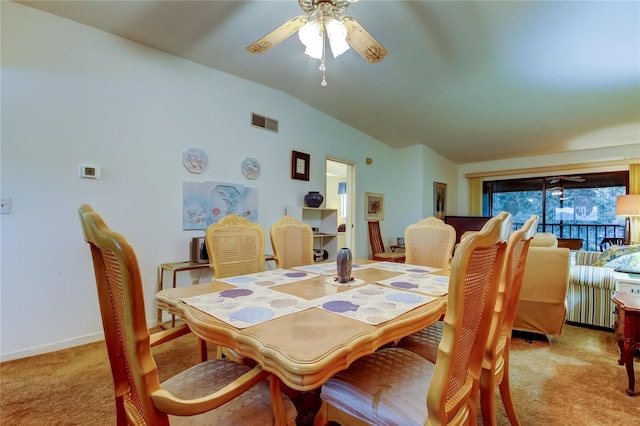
<point>195,160</point>
<point>250,168</point>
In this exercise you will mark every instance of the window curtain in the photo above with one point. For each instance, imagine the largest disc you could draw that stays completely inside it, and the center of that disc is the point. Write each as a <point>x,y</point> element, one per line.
<point>634,188</point>
<point>475,196</point>
<point>342,188</point>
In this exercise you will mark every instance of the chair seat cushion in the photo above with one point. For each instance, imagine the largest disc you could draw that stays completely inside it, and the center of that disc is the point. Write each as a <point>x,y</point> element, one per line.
<point>388,387</point>
<point>390,255</point>
<point>253,407</point>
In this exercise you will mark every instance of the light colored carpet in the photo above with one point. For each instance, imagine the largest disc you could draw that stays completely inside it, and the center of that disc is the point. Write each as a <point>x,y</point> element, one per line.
<point>572,379</point>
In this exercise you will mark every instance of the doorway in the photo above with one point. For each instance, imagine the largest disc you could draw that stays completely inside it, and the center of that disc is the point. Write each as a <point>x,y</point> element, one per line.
<point>339,190</point>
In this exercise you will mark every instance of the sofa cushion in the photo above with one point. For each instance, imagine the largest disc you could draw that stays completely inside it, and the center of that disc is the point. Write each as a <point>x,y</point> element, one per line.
<point>629,262</point>
<point>614,252</point>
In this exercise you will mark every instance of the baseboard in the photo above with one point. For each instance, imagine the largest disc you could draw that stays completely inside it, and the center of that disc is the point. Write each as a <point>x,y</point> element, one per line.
<point>59,345</point>
<point>52,347</point>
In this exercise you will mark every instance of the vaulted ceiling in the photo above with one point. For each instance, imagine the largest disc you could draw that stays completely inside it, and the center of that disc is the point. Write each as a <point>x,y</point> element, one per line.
<point>473,80</point>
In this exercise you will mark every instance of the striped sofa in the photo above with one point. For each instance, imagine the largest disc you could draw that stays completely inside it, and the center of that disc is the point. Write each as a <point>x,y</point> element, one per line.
<point>590,290</point>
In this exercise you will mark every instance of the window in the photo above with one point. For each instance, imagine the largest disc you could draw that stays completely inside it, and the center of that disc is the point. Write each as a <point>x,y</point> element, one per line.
<point>342,192</point>
<point>572,206</point>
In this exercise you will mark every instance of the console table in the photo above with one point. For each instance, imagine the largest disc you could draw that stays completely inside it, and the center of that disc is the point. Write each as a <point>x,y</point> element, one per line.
<point>174,268</point>
<point>627,331</point>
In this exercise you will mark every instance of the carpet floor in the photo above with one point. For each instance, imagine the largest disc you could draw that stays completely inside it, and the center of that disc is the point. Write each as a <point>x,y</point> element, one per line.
<point>571,379</point>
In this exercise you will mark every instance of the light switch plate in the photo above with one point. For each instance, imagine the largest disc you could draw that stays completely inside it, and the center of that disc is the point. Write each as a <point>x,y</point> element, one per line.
<point>5,206</point>
<point>89,171</point>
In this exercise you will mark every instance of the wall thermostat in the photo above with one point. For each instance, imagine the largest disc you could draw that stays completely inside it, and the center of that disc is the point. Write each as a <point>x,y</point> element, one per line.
<point>89,171</point>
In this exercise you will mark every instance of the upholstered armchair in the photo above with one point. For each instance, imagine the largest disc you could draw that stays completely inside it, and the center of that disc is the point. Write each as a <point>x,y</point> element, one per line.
<point>541,308</point>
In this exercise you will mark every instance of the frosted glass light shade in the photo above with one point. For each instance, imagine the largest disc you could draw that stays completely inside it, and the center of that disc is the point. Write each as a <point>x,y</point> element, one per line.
<point>311,36</point>
<point>337,33</point>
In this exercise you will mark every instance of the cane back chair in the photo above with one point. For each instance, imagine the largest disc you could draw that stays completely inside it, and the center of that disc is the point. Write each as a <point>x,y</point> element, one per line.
<point>396,386</point>
<point>218,391</point>
<point>235,246</point>
<point>292,242</point>
<point>429,243</point>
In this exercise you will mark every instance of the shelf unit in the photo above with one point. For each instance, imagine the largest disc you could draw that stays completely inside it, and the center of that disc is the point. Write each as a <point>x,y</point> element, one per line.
<point>326,220</point>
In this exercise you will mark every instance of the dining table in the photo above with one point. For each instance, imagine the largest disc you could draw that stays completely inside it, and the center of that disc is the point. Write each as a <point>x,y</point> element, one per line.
<point>324,325</point>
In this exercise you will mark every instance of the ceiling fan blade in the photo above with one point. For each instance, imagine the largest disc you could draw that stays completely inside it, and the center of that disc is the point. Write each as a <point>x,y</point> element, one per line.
<point>362,42</point>
<point>279,34</point>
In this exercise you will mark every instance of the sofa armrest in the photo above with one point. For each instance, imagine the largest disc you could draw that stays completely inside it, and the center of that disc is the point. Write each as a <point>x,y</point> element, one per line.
<point>584,257</point>
<point>592,276</point>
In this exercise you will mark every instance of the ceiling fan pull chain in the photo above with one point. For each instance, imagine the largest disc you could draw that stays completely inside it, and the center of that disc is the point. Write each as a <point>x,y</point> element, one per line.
<point>323,66</point>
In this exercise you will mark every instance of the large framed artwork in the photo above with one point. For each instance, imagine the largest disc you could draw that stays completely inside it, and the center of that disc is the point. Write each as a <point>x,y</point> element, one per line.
<point>439,200</point>
<point>374,206</point>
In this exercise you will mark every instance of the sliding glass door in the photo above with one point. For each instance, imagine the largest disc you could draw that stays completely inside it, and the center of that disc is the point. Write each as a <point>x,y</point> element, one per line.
<point>572,206</point>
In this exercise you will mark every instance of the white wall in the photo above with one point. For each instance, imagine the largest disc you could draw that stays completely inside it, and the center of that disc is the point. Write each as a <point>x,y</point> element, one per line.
<point>421,167</point>
<point>73,94</point>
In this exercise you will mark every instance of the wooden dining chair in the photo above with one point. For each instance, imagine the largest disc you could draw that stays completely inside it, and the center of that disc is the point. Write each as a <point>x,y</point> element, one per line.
<point>292,242</point>
<point>377,246</point>
<point>495,365</point>
<point>394,386</point>
<point>235,246</point>
<point>611,241</point>
<point>429,242</point>
<point>218,391</point>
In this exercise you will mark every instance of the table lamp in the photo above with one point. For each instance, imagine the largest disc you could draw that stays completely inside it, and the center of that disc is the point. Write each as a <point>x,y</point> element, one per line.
<point>629,206</point>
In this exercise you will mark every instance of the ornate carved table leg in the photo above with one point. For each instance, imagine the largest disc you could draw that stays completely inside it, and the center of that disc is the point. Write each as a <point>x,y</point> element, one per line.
<point>629,353</point>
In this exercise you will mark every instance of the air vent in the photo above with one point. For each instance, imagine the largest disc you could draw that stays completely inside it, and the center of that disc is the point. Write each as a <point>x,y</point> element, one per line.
<point>264,122</point>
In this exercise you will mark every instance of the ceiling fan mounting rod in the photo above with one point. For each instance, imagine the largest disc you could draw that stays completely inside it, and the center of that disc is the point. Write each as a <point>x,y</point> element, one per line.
<point>335,7</point>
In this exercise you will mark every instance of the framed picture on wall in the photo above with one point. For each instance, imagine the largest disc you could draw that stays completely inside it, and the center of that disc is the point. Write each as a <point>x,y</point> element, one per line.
<point>300,165</point>
<point>439,200</point>
<point>374,206</point>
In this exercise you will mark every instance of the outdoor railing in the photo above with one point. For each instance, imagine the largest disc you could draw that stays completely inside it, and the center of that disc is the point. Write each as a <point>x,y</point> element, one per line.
<point>591,235</point>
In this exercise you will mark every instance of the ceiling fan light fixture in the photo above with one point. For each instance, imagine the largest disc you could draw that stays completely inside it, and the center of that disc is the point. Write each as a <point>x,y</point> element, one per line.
<point>311,35</point>
<point>337,33</point>
<point>324,18</point>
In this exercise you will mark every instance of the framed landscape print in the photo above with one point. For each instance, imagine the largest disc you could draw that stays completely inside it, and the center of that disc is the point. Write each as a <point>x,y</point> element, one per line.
<point>439,200</point>
<point>300,165</point>
<point>374,206</point>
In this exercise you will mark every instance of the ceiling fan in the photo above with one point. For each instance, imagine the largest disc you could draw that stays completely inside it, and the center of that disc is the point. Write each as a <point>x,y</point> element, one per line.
<point>324,17</point>
<point>556,179</point>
